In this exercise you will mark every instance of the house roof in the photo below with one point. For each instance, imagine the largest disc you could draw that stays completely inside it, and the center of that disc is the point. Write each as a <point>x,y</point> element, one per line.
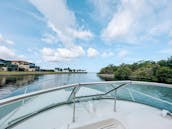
<point>2,59</point>
<point>19,61</point>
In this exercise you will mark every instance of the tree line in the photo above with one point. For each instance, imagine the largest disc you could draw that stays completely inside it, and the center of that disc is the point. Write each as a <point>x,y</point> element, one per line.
<point>160,71</point>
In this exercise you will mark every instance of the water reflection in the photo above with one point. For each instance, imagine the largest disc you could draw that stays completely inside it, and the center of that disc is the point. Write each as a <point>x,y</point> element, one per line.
<point>17,80</point>
<point>15,85</point>
<point>8,84</point>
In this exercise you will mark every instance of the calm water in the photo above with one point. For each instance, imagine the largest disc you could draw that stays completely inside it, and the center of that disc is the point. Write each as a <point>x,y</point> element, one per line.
<point>14,85</point>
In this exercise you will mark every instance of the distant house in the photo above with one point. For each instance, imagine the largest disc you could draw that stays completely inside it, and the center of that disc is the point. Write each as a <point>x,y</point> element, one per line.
<point>25,66</point>
<point>3,65</point>
<point>67,70</point>
<point>17,65</point>
<point>58,70</point>
<point>6,65</point>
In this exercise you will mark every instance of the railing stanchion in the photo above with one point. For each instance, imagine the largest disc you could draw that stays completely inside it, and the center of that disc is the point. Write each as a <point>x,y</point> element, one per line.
<point>115,100</point>
<point>74,106</point>
<point>25,91</point>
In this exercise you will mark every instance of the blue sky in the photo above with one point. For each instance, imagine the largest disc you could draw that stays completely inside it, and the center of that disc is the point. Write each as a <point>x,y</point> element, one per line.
<point>87,34</point>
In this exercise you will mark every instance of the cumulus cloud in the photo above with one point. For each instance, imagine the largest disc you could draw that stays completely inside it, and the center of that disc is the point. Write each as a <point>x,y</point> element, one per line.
<point>170,42</point>
<point>62,54</point>
<point>6,41</point>
<point>91,52</point>
<point>107,54</point>
<point>64,22</point>
<point>103,9</point>
<point>123,20</point>
<point>50,9</point>
<point>7,53</point>
<point>139,20</point>
<point>81,34</point>
<point>118,26</point>
<point>58,22</point>
<point>167,51</point>
<point>65,26</point>
<point>122,53</point>
<point>49,38</point>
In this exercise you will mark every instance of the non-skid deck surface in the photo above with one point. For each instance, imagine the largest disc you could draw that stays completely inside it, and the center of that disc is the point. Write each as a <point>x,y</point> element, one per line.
<point>105,124</point>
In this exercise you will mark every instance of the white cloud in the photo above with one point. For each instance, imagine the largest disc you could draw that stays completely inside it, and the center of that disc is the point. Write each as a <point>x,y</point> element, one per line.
<point>32,14</point>
<point>91,52</point>
<point>49,38</point>
<point>161,28</point>
<point>122,53</point>
<point>166,51</point>
<point>137,21</point>
<point>170,42</point>
<point>170,33</point>
<point>81,34</point>
<point>6,41</point>
<point>63,22</point>
<point>50,9</point>
<point>107,54</point>
<point>103,9</point>
<point>118,26</point>
<point>123,20</point>
<point>58,21</point>
<point>62,54</point>
<point>7,53</point>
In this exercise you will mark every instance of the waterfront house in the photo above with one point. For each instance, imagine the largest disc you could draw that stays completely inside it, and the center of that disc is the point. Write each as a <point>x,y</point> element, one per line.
<point>69,70</point>
<point>17,65</point>
<point>3,65</point>
<point>58,70</point>
<point>25,66</point>
<point>6,65</point>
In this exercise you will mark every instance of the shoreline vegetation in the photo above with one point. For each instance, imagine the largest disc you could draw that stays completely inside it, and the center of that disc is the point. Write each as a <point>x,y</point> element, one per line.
<point>160,71</point>
<point>15,73</point>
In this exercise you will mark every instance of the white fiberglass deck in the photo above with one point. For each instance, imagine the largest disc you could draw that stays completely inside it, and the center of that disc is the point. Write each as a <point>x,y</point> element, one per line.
<point>130,115</point>
<point>87,106</point>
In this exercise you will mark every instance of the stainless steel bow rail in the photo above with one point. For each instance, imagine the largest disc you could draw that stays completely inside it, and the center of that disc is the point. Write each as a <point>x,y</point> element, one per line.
<point>32,94</point>
<point>27,95</point>
<point>73,98</point>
